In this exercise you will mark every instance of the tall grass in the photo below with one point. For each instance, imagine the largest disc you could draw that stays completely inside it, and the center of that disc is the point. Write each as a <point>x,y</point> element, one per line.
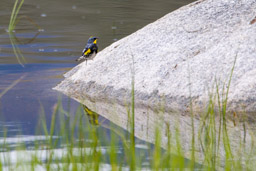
<point>214,133</point>
<point>15,12</point>
<point>78,142</point>
<point>12,24</point>
<point>83,144</point>
<point>14,20</point>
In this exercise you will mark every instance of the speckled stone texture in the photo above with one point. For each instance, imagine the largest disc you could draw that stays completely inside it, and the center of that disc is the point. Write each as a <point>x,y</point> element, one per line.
<point>182,56</point>
<point>179,56</point>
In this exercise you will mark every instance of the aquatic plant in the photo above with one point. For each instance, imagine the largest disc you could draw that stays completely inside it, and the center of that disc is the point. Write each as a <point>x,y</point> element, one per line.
<point>15,12</point>
<point>78,142</point>
<point>12,24</point>
<point>15,41</point>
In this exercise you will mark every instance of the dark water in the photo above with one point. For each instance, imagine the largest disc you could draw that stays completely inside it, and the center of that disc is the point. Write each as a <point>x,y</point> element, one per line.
<point>51,35</point>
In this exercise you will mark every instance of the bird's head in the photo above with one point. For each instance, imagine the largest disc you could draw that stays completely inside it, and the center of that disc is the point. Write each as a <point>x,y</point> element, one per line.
<point>92,40</point>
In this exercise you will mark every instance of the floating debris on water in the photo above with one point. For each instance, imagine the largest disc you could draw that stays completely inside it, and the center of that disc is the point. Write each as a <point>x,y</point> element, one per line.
<point>43,15</point>
<point>41,30</point>
<point>6,30</point>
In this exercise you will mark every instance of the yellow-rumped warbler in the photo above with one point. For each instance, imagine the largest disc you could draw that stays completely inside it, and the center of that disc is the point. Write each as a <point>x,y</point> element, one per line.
<point>90,50</point>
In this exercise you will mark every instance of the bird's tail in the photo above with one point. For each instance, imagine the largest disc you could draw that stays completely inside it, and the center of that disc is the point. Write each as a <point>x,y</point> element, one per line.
<point>80,58</point>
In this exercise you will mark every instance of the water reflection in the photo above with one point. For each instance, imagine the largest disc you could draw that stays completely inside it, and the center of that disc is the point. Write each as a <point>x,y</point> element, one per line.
<point>22,102</point>
<point>93,116</point>
<point>19,56</point>
<point>48,37</point>
<point>73,22</point>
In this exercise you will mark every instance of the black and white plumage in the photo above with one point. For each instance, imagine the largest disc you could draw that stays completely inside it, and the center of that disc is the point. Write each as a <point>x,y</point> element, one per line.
<point>90,50</point>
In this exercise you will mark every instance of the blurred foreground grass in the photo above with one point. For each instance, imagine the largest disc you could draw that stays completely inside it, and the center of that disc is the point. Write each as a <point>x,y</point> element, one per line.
<point>77,142</point>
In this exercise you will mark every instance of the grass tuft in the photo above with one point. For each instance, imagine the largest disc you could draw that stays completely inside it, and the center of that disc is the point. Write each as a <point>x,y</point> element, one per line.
<point>78,142</point>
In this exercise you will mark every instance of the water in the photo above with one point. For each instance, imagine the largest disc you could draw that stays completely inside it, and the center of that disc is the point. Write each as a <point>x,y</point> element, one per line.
<point>50,36</point>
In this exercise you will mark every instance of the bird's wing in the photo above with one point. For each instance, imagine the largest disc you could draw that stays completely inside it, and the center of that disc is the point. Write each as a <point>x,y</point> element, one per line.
<point>80,58</point>
<point>86,51</point>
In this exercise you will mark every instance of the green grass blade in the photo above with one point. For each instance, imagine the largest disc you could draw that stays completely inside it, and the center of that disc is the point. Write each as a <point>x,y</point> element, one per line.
<point>14,14</point>
<point>10,28</point>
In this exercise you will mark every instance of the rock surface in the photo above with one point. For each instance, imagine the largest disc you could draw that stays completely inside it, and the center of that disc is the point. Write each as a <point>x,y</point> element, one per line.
<point>190,47</point>
<point>179,56</point>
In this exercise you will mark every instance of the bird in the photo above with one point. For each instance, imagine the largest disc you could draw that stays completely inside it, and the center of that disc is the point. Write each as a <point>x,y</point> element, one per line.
<point>90,50</point>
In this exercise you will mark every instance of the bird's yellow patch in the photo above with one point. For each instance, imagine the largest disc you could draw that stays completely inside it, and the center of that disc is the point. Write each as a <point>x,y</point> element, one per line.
<point>87,52</point>
<point>95,41</point>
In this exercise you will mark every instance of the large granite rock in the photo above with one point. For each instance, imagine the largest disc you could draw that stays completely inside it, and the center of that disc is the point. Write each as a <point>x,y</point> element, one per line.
<point>191,46</point>
<point>183,54</point>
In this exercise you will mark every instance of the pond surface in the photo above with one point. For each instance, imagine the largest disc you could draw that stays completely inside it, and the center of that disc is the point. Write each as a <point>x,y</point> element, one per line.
<point>51,35</point>
<point>48,37</point>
